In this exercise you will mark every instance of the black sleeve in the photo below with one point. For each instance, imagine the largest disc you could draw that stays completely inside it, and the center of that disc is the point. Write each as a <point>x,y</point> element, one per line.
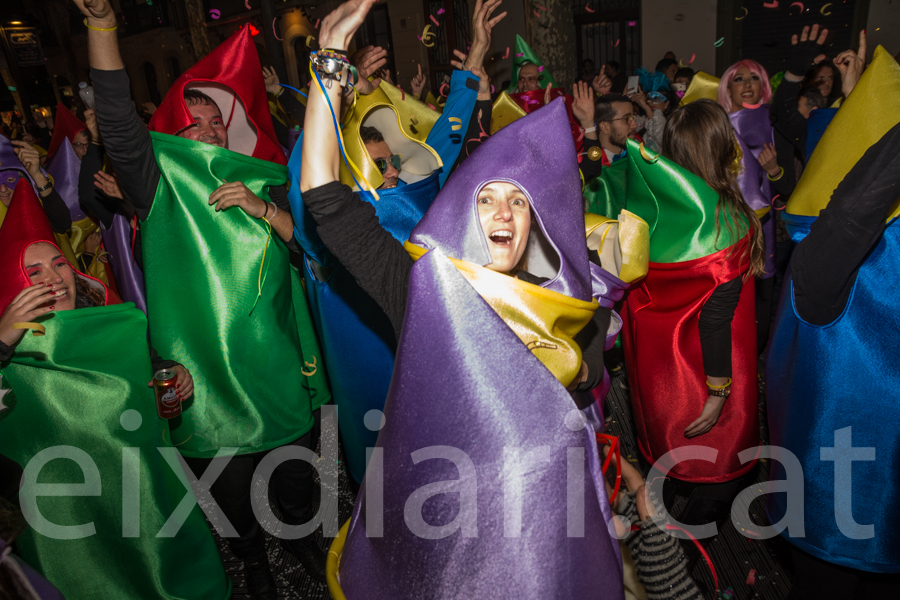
<point>57,212</point>
<point>158,362</point>
<point>6,352</point>
<point>715,328</point>
<point>591,168</point>
<point>89,196</point>
<point>350,230</point>
<point>473,138</point>
<point>785,116</point>
<point>279,197</point>
<point>592,339</point>
<point>825,263</point>
<point>127,140</point>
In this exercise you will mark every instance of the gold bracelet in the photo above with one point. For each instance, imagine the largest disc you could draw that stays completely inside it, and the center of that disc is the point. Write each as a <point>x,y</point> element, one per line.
<point>780,175</point>
<point>99,28</point>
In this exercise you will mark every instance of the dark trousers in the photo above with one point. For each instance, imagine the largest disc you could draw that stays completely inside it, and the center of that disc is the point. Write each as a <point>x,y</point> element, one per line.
<point>765,289</point>
<point>291,487</point>
<point>10,477</point>
<point>816,579</point>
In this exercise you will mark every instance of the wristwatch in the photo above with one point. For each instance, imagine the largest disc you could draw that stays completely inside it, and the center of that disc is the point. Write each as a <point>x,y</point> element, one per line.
<point>45,187</point>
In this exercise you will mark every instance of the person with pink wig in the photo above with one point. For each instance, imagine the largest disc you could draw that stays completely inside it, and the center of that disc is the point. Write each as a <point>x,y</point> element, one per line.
<point>745,93</point>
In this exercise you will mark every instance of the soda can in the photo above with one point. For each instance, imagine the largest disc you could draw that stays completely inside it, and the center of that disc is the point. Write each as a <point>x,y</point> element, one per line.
<point>167,403</point>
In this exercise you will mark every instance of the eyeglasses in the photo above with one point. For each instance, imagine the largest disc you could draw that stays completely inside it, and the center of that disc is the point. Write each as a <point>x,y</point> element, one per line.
<point>629,119</point>
<point>382,163</point>
<point>79,145</point>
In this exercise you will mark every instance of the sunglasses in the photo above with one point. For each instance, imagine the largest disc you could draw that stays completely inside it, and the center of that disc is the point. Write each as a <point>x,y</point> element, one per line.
<point>382,163</point>
<point>656,97</point>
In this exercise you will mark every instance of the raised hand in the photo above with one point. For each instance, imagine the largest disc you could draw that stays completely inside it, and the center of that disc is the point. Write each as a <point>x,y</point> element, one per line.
<point>271,79</point>
<point>367,61</point>
<point>90,119</point>
<point>768,159</point>
<point>583,107</point>
<point>28,156</point>
<point>341,24</point>
<point>99,12</point>
<point>806,50</point>
<point>851,65</point>
<point>418,84</point>
<point>235,193</point>
<point>29,304</point>
<point>108,184</point>
<point>602,84</point>
<point>482,24</point>
<point>547,95</point>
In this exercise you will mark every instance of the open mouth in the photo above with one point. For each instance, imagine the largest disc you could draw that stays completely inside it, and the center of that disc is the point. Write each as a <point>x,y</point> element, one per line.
<point>502,237</point>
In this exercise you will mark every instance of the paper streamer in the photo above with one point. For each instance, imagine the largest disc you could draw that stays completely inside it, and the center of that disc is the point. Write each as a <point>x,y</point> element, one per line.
<point>441,11</point>
<point>822,10</point>
<point>751,577</point>
<point>457,123</point>
<point>247,4</point>
<point>770,4</point>
<point>214,13</point>
<point>433,20</point>
<point>441,90</point>
<point>505,56</point>
<point>719,42</point>
<point>588,8</point>
<point>744,16</point>
<point>800,4</point>
<point>275,31</point>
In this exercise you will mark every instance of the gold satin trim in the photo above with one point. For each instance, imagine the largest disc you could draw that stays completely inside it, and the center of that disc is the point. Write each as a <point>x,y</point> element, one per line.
<point>703,85</point>
<point>333,562</point>
<point>504,112</point>
<point>356,149</point>
<point>36,328</point>
<point>546,321</point>
<point>633,238</point>
<point>761,212</point>
<point>866,115</point>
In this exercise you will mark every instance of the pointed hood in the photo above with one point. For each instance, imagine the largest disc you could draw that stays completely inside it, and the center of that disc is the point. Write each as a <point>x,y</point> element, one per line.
<point>524,54</point>
<point>10,162</point>
<point>64,170</point>
<point>66,127</point>
<point>505,111</point>
<point>865,117</point>
<point>418,160</point>
<point>230,75</point>
<point>26,224</point>
<point>537,154</point>
<point>496,403</point>
<point>703,85</point>
<point>416,118</point>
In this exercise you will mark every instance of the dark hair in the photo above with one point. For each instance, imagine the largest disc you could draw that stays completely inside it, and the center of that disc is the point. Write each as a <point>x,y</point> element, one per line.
<point>665,64</point>
<point>605,111</point>
<point>86,295</point>
<point>587,60</point>
<point>685,72</point>
<point>809,80</point>
<point>672,99</point>
<point>193,97</point>
<point>699,137</point>
<point>814,97</point>
<point>614,64</point>
<point>370,135</point>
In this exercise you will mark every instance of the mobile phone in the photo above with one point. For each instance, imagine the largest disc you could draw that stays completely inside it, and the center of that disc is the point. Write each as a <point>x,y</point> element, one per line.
<point>632,86</point>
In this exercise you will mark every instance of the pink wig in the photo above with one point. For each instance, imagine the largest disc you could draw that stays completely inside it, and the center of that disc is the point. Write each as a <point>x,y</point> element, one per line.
<point>765,95</point>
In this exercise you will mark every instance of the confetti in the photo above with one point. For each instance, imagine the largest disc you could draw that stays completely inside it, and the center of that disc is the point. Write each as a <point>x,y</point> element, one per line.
<point>275,31</point>
<point>537,14</point>
<point>588,8</point>
<point>632,23</point>
<point>431,106</point>
<point>505,56</point>
<point>752,106</point>
<point>441,11</point>
<point>770,4</point>
<point>309,40</point>
<point>435,21</point>
<point>617,43</point>
<point>426,36</point>
<point>751,577</point>
<point>540,69</point>
<point>402,94</point>
<point>457,123</point>
<point>541,7</point>
<point>746,12</point>
<point>215,14</point>
<point>519,54</point>
<point>492,88</point>
<point>719,42</point>
<point>822,10</point>
<point>247,4</point>
<point>800,4</point>
<point>441,90</point>
<point>316,26</point>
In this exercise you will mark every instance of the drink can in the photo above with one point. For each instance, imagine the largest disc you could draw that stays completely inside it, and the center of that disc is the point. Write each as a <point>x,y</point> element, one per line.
<point>167,403</point>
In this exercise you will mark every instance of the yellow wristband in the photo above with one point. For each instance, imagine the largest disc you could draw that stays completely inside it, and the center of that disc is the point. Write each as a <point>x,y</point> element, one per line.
<point>718,387</point>
<point>780,175</point>
<point>99,28</point>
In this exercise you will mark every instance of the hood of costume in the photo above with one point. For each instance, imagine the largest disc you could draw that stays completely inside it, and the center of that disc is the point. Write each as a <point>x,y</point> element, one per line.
<point>703,85</point>
<point>652,81</point>
<point>525,55</point>
<point>418,160</point>
<point>230,75</point>
<point>858,124</point>
<point>238,268</point>
<point>64,170</point>
<point>688,259</point>
<point>812,403</point>
<point>66,127</point>
<point>480,416</point>
<point>25,224</point>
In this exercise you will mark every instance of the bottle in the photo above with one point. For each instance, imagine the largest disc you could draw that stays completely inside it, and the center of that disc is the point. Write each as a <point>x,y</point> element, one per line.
<point>87,94</point>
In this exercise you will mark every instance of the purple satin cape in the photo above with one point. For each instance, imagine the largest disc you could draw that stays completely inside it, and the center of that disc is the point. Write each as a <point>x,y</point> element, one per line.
<point>537,154</point>
<point>465,386</point>
<point>753,128</point>
<point>64,169</point>
<point>28,582</point>
<point>129,278</point>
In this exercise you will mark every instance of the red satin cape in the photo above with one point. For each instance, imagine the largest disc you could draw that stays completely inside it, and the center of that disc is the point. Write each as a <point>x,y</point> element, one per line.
<point>661,340</point>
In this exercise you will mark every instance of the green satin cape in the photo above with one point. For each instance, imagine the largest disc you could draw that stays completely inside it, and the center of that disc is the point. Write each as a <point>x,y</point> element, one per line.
<point>679,207</point>
<point>258,373</point>
<point>80,385</point>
